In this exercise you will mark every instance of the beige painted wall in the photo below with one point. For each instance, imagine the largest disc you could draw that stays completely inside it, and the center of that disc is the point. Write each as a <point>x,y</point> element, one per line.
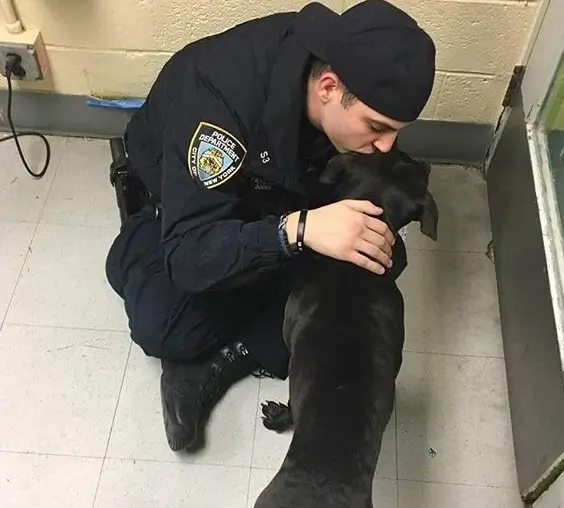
<point>116,47</point>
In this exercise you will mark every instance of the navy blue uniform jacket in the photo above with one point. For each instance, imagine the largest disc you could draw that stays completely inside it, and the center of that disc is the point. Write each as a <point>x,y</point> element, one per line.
<point>223,143</point>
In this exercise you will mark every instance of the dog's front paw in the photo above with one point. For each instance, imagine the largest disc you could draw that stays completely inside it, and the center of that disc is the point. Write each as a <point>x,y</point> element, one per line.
<point>276,416</point>
<point>273,410</point>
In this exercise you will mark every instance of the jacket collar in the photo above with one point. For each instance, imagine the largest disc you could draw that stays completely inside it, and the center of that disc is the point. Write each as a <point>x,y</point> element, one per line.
<point>283,115</point>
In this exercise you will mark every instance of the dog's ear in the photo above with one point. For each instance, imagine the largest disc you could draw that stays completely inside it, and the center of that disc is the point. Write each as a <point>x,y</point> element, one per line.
<point>427,167</point>
<point>334,169</point>
<point>429,218</point>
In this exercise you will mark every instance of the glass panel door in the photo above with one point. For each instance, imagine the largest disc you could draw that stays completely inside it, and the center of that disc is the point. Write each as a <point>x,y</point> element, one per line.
<point>552,125</point>
<point>547,149</point>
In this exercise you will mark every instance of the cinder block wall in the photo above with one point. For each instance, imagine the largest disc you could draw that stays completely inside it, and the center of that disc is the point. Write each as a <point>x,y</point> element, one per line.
<point>116,47</point>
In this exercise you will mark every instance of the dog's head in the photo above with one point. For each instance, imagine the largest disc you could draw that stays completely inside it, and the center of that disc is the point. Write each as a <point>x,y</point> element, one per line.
<point>393,181</point>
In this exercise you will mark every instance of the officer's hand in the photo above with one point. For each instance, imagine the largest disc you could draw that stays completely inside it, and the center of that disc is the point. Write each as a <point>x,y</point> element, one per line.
<point>348,231</point>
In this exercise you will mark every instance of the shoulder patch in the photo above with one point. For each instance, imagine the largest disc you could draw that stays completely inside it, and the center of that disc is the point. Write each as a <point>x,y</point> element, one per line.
<point>214,155</point>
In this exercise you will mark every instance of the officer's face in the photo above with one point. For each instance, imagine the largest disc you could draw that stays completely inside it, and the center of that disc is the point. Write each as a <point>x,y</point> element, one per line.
<point>354,127</point>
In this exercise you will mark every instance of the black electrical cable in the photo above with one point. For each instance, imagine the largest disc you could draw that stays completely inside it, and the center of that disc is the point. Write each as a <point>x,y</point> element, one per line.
<point>12,64</point>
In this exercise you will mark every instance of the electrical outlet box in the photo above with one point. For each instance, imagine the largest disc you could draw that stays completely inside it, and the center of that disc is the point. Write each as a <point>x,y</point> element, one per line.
<point>29,46</point>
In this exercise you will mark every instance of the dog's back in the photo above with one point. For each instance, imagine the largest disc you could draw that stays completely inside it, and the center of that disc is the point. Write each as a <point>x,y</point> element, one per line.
<point>344,329</point>
<point>348,323</point>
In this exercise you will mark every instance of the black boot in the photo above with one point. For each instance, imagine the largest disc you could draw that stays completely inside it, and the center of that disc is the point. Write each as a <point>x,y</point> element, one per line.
<point>189,391</point>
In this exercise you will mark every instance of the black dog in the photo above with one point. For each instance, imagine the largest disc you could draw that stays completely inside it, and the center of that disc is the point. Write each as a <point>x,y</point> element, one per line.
<point>344,329</point>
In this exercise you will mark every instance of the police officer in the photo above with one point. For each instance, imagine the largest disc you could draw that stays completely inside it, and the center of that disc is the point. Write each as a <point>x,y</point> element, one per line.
<point>228,146</point>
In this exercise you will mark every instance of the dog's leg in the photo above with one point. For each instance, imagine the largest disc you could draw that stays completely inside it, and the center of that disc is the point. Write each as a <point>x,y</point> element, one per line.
<point>276,416</point>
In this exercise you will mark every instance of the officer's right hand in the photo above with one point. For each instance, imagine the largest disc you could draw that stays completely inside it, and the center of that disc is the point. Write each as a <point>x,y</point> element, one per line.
<point>349,231</point>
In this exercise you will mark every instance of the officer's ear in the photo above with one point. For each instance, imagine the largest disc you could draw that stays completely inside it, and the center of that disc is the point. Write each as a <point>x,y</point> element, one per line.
<point>334,169</point>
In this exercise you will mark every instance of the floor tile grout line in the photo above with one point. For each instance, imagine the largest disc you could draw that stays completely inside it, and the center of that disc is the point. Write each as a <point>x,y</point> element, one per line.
<point>123,330</point>
<point>2,221</point>
<point>249,487</point>
<point>102,463</point>
<point>65,327</point>
<point>112,424</point>
<point>29,249</point>
<point>125,459</point>
<point>155,461</point>
<point>447,251</point>
<point>457,484</point>
<point>77,225</point>
<point>255,421</point>
<point>376,476</point>
<point>115,330</point>
<point>49,454</point>
<point>455,355</point>
<point>254,440</point>
<point>179,462</point>
<point>119,396</point>
<point>55,171</point>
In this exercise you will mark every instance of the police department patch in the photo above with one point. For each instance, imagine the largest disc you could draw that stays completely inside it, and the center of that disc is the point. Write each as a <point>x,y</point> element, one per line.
<point>214,155</point>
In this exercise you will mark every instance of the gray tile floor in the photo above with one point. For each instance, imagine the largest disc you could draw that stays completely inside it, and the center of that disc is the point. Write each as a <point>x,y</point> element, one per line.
<point>80,419</point>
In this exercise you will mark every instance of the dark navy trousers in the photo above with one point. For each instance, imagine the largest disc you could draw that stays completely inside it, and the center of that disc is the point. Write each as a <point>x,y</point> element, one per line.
<point>171,324</point>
